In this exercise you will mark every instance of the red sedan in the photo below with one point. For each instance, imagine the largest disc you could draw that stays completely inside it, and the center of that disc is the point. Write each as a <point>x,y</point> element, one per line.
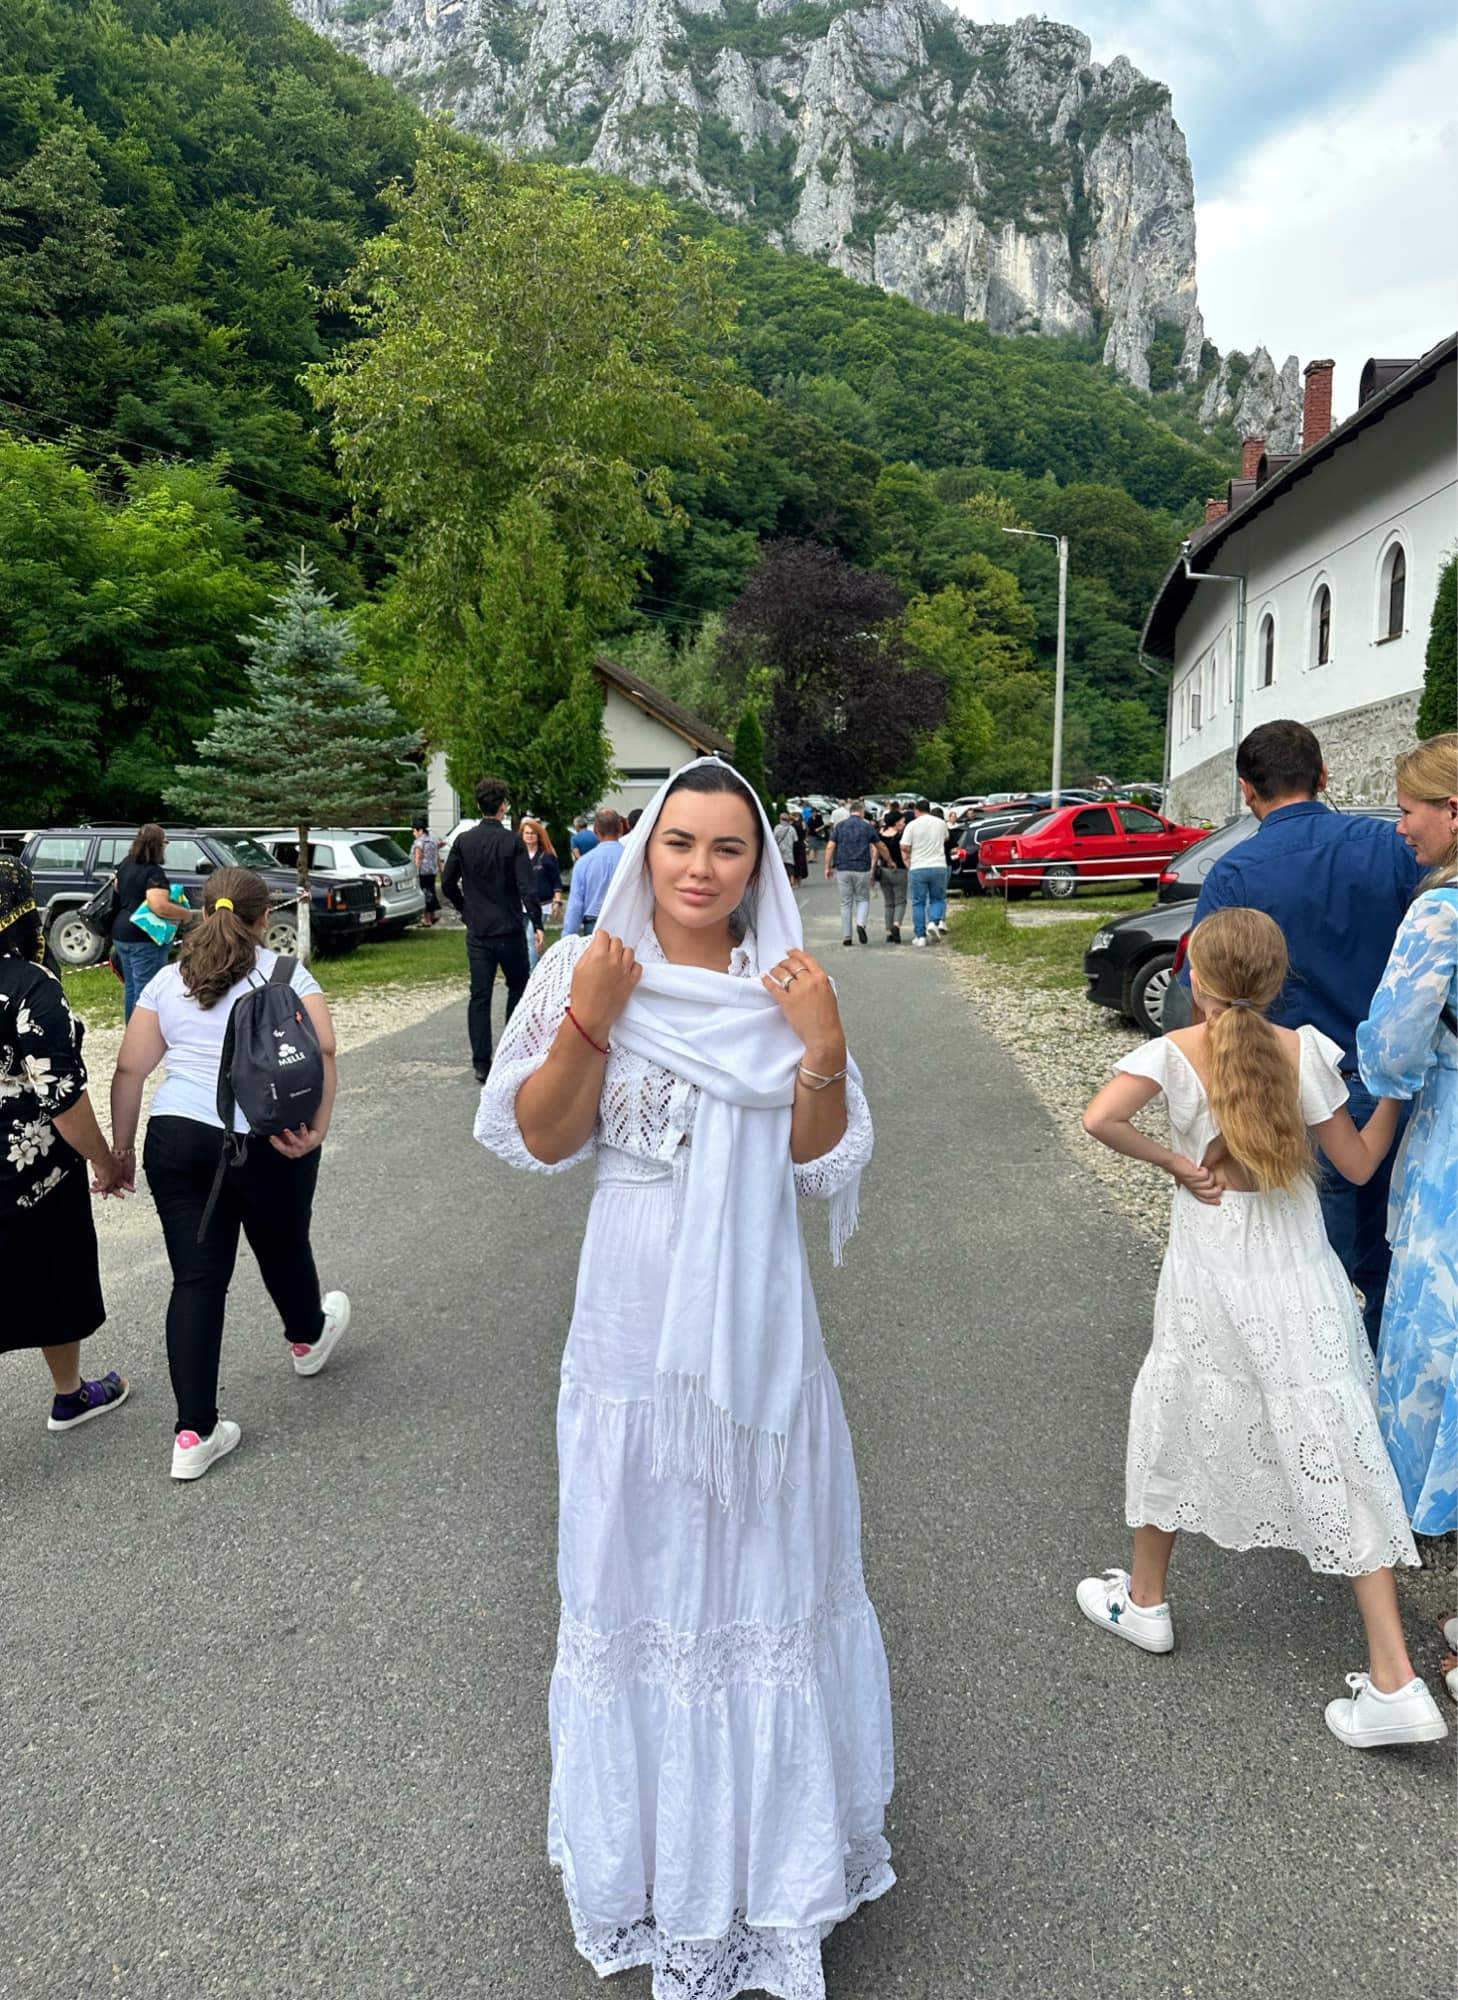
<point>1083,843</point>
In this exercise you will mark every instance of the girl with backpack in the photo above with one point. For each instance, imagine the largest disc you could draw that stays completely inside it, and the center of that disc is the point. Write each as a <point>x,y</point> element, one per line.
<point>1254,1417</point>
<point>182,1016</point>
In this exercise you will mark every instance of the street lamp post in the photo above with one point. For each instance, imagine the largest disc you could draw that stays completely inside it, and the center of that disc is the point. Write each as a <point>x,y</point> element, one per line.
<point>1038,535</point>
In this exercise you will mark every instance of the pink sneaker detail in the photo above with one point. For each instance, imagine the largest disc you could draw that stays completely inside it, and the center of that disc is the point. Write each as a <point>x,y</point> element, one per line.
<point>301,1348</point>
<point>187,1439</point>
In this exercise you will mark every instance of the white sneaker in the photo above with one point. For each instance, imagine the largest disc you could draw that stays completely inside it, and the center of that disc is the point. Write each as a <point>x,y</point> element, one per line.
<point>192,1455</point>
<point>309,1357</point>
<point>1105,1599</point>
<point>920,942</point>
<point>937,929</point>
<point>1371,1718</point>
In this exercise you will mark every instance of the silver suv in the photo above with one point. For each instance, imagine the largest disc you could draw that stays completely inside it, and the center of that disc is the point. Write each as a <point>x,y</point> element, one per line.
<point>374,858</point>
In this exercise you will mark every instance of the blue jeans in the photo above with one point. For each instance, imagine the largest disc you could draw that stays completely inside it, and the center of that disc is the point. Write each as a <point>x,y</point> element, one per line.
<point>1356,1217</point>
<point>140,963</point>
<point>928,898</point>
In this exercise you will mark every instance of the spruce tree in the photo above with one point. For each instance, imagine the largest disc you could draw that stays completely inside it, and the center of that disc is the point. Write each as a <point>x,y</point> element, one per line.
<point>317,747</point>
<point>749,754</point>
<point>1438,709</point>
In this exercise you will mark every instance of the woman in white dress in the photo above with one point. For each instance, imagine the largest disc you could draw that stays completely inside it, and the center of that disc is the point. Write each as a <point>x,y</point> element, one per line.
<point>1254,1418</point>
<point>719,1712</point>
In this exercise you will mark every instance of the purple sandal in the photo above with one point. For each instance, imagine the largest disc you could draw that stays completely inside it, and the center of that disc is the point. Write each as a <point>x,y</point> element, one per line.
<point>92,1399</point>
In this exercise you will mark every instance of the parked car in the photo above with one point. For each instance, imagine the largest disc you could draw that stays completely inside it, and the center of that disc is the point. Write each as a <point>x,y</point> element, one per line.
<point>70,864</point>
<point>1132,964</point>
<point>1058,850</point>
<point>374,858</point>
<point>967,844</point>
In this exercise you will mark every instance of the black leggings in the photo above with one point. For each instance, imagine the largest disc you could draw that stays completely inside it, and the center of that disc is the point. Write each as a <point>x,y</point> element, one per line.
<point>271,1200</point>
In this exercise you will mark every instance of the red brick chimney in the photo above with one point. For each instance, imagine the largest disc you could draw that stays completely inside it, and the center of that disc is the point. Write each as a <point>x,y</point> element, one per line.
<point>1316,412</point>
<point>1215,509</point>
<point>1250,456</point>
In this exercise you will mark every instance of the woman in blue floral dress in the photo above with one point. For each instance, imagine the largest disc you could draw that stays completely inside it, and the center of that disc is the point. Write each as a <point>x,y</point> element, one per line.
<point>1408,1047</point>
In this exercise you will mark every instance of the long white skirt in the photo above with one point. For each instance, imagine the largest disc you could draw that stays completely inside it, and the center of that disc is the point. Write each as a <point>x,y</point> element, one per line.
<point>720,1711</point>
<point>1254,1418</point>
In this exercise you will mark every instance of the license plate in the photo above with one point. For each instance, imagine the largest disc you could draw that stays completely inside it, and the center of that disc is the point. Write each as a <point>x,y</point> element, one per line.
<point>364,916</point>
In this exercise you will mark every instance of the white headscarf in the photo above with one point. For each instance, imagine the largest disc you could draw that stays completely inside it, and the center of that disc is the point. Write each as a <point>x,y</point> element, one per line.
<point>731,1351</point>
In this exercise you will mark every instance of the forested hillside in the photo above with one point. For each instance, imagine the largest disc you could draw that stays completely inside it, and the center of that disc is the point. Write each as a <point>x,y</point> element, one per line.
<point>184,187</point>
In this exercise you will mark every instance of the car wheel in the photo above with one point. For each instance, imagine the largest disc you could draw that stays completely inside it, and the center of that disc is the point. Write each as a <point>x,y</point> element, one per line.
<point>1061,881</point>
<point>1148,989</point>
<point>282,935</point>
<point>73,940</point>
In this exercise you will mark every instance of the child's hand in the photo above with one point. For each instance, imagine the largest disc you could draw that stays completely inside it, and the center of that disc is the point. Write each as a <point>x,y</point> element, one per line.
<point>1200,1182</point>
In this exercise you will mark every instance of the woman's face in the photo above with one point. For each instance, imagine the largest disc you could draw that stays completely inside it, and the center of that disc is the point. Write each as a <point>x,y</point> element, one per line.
<point>701,857</point>
<point>1427,825</point>
<point>529,835</point>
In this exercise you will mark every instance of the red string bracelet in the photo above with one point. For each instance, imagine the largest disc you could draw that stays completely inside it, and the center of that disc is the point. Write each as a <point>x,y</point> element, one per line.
<point>585,1036</point>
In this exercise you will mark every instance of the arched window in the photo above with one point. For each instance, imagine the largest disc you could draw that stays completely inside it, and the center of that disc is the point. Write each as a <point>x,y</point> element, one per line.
<point>1321,627</point>
<point>1396,592</point>
<point>1267,651</point>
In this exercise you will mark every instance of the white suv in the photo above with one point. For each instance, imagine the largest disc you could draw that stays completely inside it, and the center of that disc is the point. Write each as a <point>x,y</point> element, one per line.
<point>374,857</point>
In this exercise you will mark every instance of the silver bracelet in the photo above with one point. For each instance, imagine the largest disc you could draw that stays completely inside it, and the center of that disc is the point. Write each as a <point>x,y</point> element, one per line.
<point>819,1082</point>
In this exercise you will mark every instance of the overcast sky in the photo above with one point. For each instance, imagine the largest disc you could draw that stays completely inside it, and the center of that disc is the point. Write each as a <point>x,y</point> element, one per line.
<point>1324,140</point>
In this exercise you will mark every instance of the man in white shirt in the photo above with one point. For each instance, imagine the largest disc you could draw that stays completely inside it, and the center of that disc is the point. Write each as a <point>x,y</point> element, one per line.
<point>842,811</point>
<point>924,845</point>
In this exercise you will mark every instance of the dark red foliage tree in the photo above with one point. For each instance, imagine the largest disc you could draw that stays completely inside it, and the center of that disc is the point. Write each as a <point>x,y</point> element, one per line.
<point>846,704</point>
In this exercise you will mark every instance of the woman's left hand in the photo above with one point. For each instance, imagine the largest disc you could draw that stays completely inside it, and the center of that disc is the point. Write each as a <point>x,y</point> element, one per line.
<point>806,998</point>
<point>297,1145</point>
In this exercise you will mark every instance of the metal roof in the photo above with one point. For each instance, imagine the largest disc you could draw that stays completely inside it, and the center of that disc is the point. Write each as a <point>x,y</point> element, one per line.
<point>1176,592</point>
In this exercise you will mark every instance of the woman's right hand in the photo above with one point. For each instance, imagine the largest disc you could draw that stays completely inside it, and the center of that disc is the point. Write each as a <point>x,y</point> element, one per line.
<point>602,983</point>
<point>1200,1181</point>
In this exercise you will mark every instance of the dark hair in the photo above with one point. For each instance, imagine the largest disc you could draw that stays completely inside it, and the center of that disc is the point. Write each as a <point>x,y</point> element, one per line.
<point>216,954</point>
<point>634,816</point>
<point>420,826</point>
<point>1280,758</point>
<point>923,805</point>
<point>150,843</point>
<point>491,795</point>
<point>716,779</point>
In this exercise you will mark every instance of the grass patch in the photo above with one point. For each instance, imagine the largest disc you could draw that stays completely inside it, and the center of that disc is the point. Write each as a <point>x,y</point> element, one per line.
<point>1044,955</point>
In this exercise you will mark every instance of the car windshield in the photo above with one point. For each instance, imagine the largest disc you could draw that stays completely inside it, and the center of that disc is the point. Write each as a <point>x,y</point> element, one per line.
<point>379,851</point>
<point>241,852</point>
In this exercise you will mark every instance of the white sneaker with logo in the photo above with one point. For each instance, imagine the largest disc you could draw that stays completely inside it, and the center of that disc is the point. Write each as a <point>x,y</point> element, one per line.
<point>310,1357</point>
<point>192,1455</point>
<point>1372,1719</point>
<point>1106,1601</point>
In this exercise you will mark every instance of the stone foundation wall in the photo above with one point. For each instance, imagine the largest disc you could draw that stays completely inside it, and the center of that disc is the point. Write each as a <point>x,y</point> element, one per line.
<point>1359,745</point>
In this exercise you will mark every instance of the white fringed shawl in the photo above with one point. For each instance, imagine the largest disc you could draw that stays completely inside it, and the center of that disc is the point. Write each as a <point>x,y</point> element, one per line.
<point>731,1352</point>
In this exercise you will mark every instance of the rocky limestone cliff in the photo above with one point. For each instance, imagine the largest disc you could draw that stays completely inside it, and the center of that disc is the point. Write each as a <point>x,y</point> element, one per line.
<point>1256,399</point>
<point>993,172</point>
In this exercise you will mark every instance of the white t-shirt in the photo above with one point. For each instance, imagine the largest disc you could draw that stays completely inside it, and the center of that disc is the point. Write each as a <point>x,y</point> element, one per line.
<point>840,813</point>
<point>925,841</point>
<point>194,1038</point>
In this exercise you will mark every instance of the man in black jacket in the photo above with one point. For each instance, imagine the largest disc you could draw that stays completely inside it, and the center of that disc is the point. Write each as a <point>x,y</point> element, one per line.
<point>490,879</point>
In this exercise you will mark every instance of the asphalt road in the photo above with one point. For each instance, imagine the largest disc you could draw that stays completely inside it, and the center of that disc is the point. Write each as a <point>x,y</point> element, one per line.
<point>284,1732</point>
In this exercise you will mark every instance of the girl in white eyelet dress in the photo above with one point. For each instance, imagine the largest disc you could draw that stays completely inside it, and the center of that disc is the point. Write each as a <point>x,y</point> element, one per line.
<point>1254,1417</point>
<point>719,1711</point>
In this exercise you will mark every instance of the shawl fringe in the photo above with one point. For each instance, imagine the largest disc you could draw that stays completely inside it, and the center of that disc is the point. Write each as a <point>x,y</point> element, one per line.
<point>695,1440</point>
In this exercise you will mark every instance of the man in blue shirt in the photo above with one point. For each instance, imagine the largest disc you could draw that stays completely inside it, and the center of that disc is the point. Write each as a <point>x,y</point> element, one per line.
<point>591,875</point>
<point>1339,885</point>
<point>583,839</point>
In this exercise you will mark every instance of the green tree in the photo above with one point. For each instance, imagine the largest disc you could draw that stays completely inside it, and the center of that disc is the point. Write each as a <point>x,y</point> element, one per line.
<point>1438,709</point>
<point>315,746</point>
<point>120,600</point>
<point>749,754</point>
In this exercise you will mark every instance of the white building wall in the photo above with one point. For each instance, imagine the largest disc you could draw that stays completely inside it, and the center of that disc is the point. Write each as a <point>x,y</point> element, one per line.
<point>1393,484</point>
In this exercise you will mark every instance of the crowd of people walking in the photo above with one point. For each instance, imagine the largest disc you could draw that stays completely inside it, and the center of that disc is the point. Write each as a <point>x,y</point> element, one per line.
<point>719,1711</point>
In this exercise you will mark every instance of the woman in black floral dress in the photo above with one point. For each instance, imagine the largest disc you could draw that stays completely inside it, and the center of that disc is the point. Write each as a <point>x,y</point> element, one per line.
<point>48,1131</point>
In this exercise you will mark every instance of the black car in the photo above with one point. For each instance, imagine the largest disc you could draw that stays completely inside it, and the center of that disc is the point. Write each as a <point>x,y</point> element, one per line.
<point>1129,963</point>
<point>967,838</point>
<point>69,864</point>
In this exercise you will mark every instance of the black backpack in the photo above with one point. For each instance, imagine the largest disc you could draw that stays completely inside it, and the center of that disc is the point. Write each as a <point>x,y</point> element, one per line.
<point>271,1069</point>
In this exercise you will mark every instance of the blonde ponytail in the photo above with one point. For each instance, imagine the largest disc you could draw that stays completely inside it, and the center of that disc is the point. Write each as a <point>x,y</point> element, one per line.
<point>1238,957</point>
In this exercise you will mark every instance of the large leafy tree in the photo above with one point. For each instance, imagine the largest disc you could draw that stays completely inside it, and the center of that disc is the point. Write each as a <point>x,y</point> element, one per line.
<point>120,601</point>
<point>534,358</point>
<point>847,704</point>
<point>315,746</point>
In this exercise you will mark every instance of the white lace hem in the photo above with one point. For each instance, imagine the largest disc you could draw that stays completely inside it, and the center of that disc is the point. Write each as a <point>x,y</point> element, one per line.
<point>748,1957</point>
